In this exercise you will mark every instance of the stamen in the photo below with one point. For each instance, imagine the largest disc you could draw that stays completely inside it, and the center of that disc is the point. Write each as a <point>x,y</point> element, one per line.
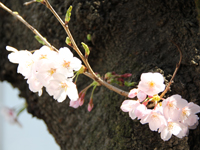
<point>43,56</point>
<point>52,71</point>
<point>151,84</point>
<point>66,64</point>
<point>64,86</point>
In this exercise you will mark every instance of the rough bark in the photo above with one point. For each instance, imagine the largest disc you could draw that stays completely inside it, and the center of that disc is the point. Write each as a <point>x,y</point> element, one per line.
<point>127,36</point>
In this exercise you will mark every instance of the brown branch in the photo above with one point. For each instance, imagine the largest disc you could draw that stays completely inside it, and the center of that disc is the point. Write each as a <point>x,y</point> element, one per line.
<point>91,73</point>
<point>175,71</point>
<point>15,14</point>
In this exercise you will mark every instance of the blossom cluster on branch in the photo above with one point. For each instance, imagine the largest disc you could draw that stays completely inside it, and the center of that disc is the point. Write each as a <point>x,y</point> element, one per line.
<point>50,69</point>
<point>173,115</point>
<point>55,70</point>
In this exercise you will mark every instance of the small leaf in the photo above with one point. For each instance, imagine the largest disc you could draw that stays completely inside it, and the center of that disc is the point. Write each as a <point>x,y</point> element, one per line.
<point>39,40</point>
<point>40,1</point>
<point>129,83</point>
<point>68,15</point>
<point>15,12</point>
<point>68,41</point>
<point>89,37</point>
<point>82,70</point>
<point>87,51</point>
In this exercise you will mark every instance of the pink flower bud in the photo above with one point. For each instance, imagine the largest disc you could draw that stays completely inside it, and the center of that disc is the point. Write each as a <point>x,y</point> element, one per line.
<point>90,105</point>
<point>81,98</point>
<point>126,75</point>
<point>133,93</point>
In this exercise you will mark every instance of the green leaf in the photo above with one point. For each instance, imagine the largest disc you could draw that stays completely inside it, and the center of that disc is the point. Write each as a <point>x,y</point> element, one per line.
<point>15,12</point>
<point>39,40</point>
<point>68,41</point>
<point>129,83</point>
<point>68,15</point>
<point>87,51</point>
<point>40,1</point>
<point>89,37</point>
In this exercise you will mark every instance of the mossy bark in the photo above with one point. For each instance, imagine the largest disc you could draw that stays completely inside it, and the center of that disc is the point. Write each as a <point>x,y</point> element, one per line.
<point>127,36</point>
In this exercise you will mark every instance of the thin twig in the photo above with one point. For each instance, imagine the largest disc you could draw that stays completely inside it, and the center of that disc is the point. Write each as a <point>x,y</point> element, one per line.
<point>30,2</point>
<point>109,86</point>
<point>90,72</point>
<point>175,71</point>
<point>15,14</point>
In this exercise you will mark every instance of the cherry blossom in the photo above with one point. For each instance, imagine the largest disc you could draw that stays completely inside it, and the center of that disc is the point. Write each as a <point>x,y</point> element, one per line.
<point>67,62</point>
<point>188,114</point>
<point>35,85</point>
<point>10,115</point>
<point>155,119</point>
<point>172,107</point>
<point>60,87</point>
<point>174,128</point>
<point>151,83</point>
<point>139,111</point>
<point>23,58</point>
<point>45,72</point>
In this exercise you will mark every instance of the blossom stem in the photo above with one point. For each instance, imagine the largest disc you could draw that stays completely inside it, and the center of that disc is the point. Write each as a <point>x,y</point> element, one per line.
<point>90,72</point>
<point>20,18</point>
<point>175,71</point>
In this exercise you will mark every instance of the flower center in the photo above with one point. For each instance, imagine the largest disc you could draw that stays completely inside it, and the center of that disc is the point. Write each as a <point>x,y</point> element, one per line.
<point>170,125</point>
<point>64,86</point>
<point>52,71</point>
<point>185,113</point>
<point>29,64</point>
<point>151,84</point>
<point>156,98</point>
<point>66,64</point>
<point>171,104</point>
<point>43,56</point>
<point>155,116</point>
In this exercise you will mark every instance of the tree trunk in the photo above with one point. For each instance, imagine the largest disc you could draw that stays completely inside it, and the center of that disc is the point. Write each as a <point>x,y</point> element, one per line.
<point>128,36</point>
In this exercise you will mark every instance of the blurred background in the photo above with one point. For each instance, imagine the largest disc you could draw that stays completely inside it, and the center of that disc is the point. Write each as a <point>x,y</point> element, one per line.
<point>33,135</point>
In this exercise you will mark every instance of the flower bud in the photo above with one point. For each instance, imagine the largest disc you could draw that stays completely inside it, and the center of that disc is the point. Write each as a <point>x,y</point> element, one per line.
<point>90,105</point>
<point>87,51</point>
<point>68,15</point>
<point>81,98</point>
<point>68,41</point>
<point>126,75</point>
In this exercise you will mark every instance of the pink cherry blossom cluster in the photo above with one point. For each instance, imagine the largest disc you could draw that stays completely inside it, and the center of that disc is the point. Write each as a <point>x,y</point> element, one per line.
<point>173,115</point>
<point>50,69</point>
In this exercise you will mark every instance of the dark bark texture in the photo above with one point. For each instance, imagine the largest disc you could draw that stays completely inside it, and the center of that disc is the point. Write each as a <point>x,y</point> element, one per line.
<point>128,36</point>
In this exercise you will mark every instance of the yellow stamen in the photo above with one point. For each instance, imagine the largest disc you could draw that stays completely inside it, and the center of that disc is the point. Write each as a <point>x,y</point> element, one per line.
<point>151,84</point>
<point>66,64</point>
<point>156,98</point>
<point>170,125</point>
<point>185,113</point>
<point>52,71</point>
<point>64,86</point>
<point>43,56</point>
